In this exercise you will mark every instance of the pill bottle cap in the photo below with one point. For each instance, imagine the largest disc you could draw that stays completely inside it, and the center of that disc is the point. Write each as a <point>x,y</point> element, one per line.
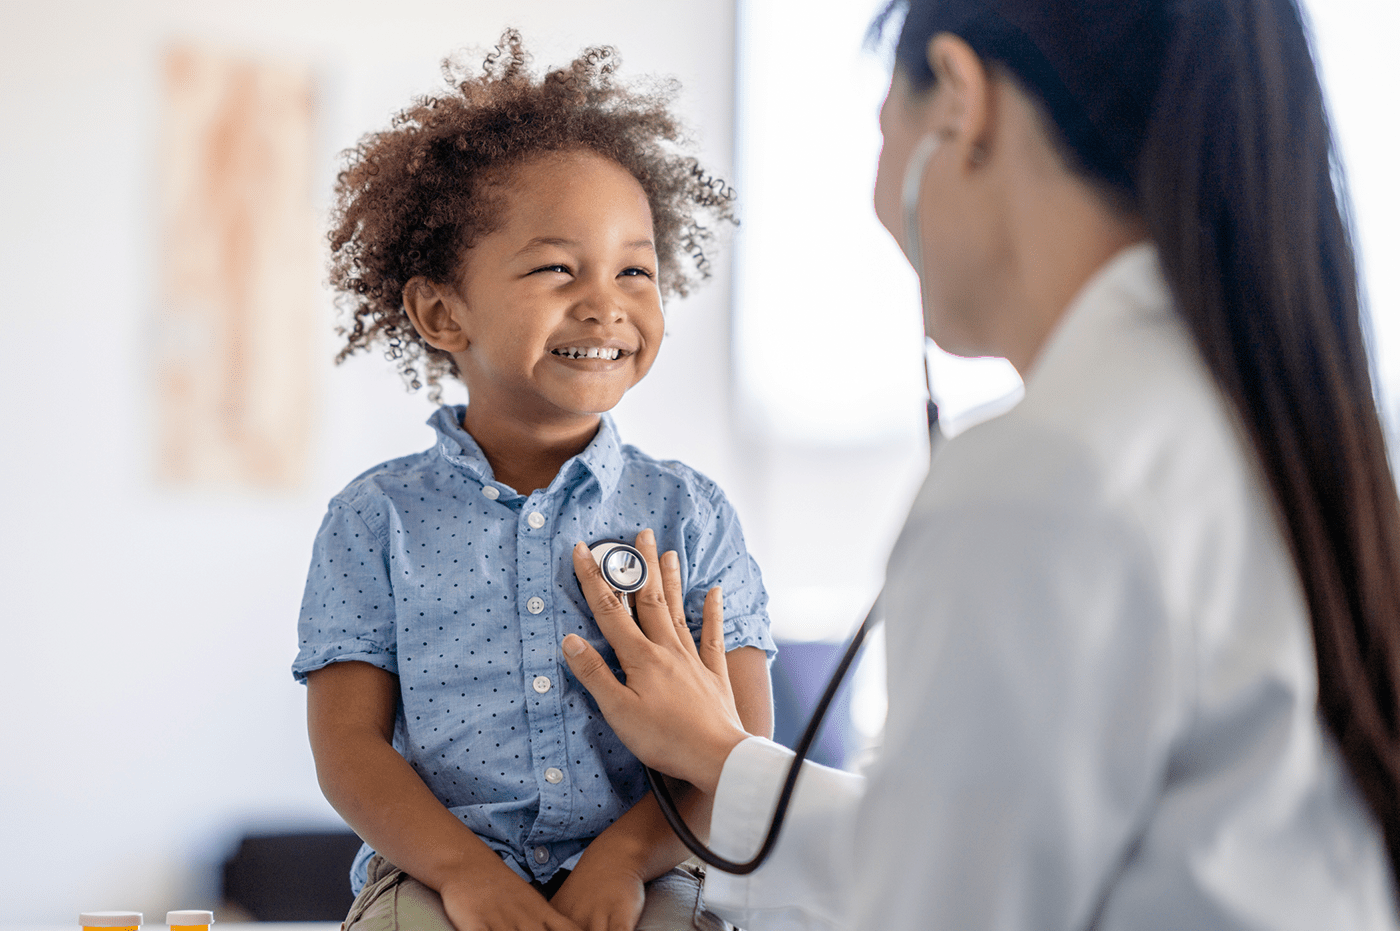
<point>110,919</point>
<point>189,917</point>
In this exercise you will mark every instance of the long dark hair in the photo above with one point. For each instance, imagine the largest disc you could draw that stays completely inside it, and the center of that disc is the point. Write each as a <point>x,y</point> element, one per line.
<point>1207,117</point>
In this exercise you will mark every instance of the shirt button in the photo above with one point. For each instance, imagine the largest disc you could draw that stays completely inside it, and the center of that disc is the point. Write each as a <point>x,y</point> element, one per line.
<point>535,605</point>
<point>536,520</point>
<point>541,854</point>
<point>541,684</point>
<point>491,491</point>
<point>553,776</point>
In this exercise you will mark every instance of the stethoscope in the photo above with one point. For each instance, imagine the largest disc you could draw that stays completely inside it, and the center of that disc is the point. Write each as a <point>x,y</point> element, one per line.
<point>625,570</point>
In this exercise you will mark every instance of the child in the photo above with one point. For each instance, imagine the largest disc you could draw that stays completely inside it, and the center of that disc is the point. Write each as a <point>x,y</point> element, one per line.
<point>518,235</point>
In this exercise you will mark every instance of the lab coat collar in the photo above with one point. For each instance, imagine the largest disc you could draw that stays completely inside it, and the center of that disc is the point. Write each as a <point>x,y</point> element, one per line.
<point>1128,287</point>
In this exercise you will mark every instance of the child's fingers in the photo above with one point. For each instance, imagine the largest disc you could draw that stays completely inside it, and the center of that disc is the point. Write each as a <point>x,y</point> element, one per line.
<point>675,595</point>
<point>554,921</point>
<point>618,921</point>
<point>557,922</point>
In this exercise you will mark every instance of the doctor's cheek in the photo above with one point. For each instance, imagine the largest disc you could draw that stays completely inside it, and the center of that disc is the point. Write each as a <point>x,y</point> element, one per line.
<point>885,199</point>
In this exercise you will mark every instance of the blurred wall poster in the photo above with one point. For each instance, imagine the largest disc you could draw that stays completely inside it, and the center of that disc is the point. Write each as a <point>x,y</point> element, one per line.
<point>237,313</point>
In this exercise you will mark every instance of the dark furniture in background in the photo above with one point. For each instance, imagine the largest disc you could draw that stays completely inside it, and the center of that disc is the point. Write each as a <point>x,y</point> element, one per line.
<point>291,877</point>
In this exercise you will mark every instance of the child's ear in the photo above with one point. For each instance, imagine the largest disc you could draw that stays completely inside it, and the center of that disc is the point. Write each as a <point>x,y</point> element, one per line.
<point>430,306</point>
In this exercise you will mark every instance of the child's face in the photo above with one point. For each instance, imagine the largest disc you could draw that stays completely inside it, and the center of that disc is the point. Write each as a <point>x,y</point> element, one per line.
<point>559,305</point>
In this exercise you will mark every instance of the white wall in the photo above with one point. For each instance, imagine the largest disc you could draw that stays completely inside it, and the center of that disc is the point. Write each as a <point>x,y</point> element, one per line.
<point>1355,42</point>
<point>149,712</point>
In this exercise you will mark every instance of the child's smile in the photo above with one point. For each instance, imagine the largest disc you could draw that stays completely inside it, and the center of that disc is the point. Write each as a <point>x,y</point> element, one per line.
<point>593,354</point>
<point>601,353</point>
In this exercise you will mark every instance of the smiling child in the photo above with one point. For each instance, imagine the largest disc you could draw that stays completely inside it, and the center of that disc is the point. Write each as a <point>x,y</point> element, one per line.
<point>518,235</point>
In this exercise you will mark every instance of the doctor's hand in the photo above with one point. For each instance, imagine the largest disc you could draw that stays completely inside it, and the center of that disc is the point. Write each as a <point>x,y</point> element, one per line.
<point>676,711</point>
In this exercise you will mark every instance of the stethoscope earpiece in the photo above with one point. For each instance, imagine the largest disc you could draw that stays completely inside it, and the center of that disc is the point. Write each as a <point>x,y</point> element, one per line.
<point>622,565</point>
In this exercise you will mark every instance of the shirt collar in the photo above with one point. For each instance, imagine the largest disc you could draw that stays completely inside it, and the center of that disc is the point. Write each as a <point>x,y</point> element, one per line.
<point>602,457</point>
<point>1128,288</point>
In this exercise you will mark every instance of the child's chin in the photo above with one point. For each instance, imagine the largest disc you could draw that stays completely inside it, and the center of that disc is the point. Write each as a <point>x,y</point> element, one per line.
<point>599,403</point>
<point>592,408</point>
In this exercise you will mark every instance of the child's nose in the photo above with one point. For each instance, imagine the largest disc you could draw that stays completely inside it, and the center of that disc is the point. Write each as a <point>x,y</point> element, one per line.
<point>601,303</point>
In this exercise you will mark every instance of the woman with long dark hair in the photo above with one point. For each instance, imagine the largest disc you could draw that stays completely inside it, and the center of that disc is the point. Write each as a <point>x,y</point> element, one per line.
<point>1144,629</point>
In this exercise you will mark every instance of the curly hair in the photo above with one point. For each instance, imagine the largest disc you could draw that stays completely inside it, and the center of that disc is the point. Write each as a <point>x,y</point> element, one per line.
<point>412,199</point>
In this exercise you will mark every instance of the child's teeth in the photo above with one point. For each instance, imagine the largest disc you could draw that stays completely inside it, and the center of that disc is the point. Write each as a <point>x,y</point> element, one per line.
<point>590,353</point>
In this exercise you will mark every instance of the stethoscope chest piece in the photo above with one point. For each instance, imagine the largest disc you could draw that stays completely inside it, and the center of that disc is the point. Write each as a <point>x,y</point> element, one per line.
<point>622,565</point>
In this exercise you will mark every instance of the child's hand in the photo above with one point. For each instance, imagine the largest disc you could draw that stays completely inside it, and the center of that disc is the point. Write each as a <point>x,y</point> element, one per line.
<point>601,898</point>
<point>500,901</point>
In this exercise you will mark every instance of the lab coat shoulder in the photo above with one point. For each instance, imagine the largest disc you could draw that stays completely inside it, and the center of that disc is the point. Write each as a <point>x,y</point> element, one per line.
<point>1036,684</point>
<point>1124,435</point>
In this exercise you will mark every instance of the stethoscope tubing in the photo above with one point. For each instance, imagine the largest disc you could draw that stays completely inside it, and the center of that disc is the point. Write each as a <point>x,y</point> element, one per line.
<point>809,735</point>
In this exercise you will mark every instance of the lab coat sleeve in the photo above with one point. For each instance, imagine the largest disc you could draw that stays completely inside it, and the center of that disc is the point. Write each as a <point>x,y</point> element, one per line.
<point>805,883</point>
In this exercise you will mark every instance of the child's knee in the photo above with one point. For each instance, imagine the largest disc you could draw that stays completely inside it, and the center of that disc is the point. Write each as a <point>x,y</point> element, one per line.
<point>392,900</point>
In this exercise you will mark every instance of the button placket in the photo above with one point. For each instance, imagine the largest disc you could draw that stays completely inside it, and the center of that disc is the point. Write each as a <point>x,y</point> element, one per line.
<point>535,577</point>
<point>535,520</point>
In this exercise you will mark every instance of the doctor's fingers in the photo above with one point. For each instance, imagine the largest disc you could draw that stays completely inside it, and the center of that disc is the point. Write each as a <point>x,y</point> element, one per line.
<point>589,668</point>
<point>712,652</point>
<point>656,609</point>
<point>675,595</point>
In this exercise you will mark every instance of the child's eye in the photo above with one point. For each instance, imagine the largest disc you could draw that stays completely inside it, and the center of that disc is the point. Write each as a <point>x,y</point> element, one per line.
<point>561,269</point>
<point>634,271</point>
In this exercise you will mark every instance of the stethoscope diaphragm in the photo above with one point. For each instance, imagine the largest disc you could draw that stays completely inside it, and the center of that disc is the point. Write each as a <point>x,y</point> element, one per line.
<point>622,565</point>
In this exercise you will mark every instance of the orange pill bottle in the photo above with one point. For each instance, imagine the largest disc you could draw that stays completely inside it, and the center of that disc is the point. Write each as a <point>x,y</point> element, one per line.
<point>189,920</point>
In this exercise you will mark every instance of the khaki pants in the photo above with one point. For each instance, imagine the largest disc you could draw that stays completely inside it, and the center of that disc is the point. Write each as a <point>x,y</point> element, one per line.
<point>392,900</point>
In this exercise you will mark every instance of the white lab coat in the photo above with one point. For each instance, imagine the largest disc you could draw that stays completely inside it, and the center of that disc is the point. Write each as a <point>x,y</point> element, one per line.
<point>1102,690</point>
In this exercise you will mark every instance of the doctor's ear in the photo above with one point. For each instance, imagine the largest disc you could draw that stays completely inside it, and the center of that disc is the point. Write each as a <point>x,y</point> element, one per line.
<point>965,114</point>
<point>434,309</point>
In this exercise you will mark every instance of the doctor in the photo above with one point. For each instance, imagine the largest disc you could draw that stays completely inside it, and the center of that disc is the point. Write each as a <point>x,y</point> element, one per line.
<point>1144,629</point>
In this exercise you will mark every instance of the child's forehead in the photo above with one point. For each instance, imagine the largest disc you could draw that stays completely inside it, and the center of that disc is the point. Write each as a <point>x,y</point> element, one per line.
<point>570,187</point>
<point>549,168</point>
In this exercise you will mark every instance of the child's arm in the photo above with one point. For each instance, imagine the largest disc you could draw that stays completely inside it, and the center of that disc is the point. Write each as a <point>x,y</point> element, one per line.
<point>350,719</point>
<point>605,889</point>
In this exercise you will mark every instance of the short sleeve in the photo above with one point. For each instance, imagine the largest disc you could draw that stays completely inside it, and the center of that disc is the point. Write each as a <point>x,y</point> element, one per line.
<point>719,556</point>
<point>347,611</point>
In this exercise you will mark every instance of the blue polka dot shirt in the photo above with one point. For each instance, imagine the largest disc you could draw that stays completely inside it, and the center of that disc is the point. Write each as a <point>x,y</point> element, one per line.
<point>428,568</point>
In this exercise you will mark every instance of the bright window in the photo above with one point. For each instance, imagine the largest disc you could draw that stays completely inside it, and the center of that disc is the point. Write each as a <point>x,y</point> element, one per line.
<point>827,320</point>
